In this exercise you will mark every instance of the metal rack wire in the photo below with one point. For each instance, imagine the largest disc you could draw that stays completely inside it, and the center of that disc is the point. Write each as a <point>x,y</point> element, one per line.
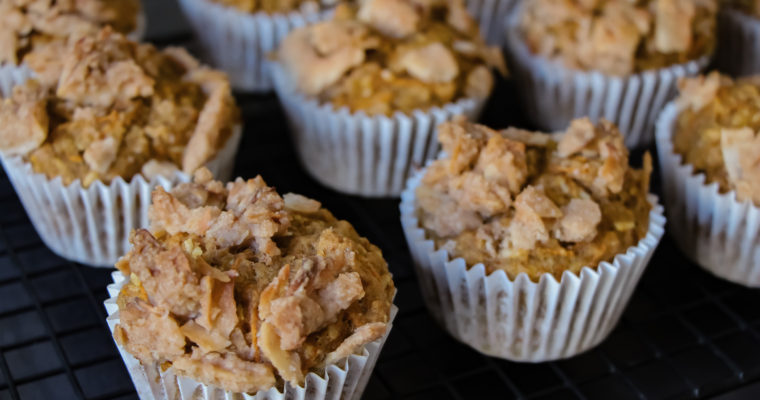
<point>685,334</point>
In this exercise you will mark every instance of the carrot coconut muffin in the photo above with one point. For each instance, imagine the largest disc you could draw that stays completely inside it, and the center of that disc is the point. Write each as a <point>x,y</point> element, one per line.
<point>503,214</point>
<point>365,90</point>
<point>524,203</point>
<point>85,145</point>
<point>237,287</point>
<point>619,37</point>
<point>391,55</point>
<point>28,25</point>
<point>710,155</point>
<point>716,132</point>
<point>612,59</point>
<point>119,108</point>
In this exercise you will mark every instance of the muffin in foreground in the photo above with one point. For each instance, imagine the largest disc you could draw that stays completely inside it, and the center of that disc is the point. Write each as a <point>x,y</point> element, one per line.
<point>709,152</point>
<point>738,34</point>
<point>81,144</point>
<point>550,232</point>
<point>617,59</point>
<point>239,289</point>
<point>364,91</point>
<point>249,31</point>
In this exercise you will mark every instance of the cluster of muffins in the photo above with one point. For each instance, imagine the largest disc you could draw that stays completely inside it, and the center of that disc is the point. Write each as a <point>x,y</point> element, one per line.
<point>527,245</point>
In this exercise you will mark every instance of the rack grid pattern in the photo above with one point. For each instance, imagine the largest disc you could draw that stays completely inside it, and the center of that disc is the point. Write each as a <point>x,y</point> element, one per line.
<point>685,334</point>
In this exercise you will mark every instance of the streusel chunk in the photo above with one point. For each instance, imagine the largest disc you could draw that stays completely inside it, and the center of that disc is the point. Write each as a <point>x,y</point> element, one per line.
<point>533,203</point>
<point>241,288</point>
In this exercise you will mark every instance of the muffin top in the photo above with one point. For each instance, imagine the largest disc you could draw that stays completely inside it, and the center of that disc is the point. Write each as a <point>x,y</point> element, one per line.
<point>392,55</point>
<point>717,132</point>
<point>275,6</point>
<point>26,25</point>
<point>240,288</point>
<point>116,108</point>
<point>619,37</point>
<point>528,202</point>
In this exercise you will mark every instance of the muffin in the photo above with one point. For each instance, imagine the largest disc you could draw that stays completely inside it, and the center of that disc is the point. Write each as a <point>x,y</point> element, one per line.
<point>527,245</point>
<point>363,91</point>
<point>492,16</point>
<point>84,146</point>
<point>240,290</point>
<point>709,152</point>
<point>249,30</point>
<point>738,33</point>
<point>614,59</point>
<point>29,26</point>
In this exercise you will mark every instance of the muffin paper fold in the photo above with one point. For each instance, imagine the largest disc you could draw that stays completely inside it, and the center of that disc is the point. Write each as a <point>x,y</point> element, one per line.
<point>358,154</point>
<point>738,53</point>
<point>714,229</point>
<point>518,319</point>
<point>343,380</point>
<point>239,42</point>
<point>554,95</point>
<point>92,225</point>
<point>491,16</point>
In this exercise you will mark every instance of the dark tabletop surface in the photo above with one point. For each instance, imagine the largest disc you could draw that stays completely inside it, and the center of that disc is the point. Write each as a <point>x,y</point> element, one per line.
<point>685,334</point>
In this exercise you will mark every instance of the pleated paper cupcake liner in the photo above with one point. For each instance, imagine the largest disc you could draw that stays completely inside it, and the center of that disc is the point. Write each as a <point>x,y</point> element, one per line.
<point>738,53</point>
<point>714,229</point>
<point>358,154</point>
<point>343,380</point>
<point>492,18</point>
<point>238,42</point>
<point>554,95</point>
<point>518,319</point>
<point>92,225</point>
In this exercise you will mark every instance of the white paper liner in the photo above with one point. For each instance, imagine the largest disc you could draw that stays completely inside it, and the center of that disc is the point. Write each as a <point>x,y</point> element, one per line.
<point>238,42</point>
<point>344,380</point>
<point>554,95</point>
<point>92,225</point>
<point>519,319</point>
<point>713,229</point>
<point>738,52</point>
<point>364,155</point>
<point>492,18</point>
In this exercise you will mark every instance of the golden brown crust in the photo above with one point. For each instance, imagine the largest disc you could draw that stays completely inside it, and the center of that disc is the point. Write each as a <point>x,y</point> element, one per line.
<point>114,106</point>
<point>275,287</point>
<point>392,55</point>
<point>26,25</point>
<point>717,131</point>
<point>521,202</point>
<point>619,37</point>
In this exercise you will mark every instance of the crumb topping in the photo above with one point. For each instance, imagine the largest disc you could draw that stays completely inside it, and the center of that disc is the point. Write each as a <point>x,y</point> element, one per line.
<point>241,288</point>
<point>26,25</point>
<point>619,37</point>
<point>529,202</point>
<point>717,132</point>
<point>116,108</point>
<point>392,55</point>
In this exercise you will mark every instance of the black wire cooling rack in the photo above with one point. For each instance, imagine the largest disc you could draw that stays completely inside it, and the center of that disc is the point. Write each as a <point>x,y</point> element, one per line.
<point>684,334</point>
